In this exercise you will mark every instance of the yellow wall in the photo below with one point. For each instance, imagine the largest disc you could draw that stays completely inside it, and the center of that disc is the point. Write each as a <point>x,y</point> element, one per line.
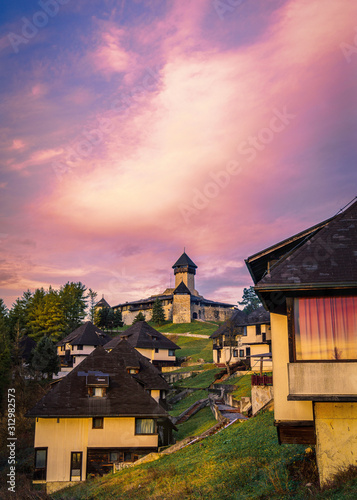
<point>284,409</point>
<point>336,437</point>
<point>162,355</point>
<point>155,394</point>
<point>76,434</point>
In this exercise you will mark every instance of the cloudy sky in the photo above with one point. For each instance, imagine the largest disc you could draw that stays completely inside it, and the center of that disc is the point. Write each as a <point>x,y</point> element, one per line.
<point>131,129</point>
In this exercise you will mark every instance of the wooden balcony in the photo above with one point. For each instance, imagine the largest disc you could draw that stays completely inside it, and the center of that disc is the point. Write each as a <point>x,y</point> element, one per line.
<point>322,381</point>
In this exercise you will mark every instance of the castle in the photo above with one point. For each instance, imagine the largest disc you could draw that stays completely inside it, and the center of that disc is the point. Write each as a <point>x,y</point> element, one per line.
<point>181,304</point>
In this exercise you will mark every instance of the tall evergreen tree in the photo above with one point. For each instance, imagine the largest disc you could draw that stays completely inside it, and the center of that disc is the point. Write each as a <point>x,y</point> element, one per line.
<point>19,315</point>
<point>45,358</point>
<point>118,319</point>
<point>92,296</point>
<point>139,317</point>
<point>73,302</point>
<point>250,300</point>
<point>47,316</point>
<point>158,313</point>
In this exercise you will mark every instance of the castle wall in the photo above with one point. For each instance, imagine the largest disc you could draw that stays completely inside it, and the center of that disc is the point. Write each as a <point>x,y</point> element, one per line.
<point>181,309</point>
<point>187,278</point>
<point>217,313</point>
<point>129,316</point>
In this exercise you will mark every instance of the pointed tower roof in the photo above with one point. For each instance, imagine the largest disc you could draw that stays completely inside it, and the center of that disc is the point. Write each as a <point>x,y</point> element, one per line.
<point>182,289</point>
<point>184,261</point>
<point>102,303</point>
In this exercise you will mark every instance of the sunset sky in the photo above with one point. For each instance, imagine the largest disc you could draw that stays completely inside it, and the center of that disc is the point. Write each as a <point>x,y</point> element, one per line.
<point>131,129</point>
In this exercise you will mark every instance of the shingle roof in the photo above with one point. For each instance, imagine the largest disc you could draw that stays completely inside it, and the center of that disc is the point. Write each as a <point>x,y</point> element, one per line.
<point>184,261</point>
<point>86,334</point>
<point>328,257</point>
<point>237,319</point>
<point>124,397</point>
<point>259,316</point>
<point>102,303</point>
<point>142,335</point>
<point>182,289</point>
<point>149,376</point>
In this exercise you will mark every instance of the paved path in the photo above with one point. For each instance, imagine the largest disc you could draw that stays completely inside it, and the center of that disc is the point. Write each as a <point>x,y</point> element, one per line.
<point>187,334</point>
<point>230,412</point>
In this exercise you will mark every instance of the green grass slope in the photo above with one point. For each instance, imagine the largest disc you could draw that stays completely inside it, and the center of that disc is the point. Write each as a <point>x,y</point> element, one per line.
<point>243,462</point>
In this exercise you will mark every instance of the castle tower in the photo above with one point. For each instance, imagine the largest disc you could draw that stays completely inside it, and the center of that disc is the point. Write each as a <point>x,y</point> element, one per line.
<point>185,270</point>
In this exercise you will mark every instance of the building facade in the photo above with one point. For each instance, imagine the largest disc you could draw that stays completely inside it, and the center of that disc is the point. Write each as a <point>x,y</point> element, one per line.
<point>309,284</point>
<point>181,304</point>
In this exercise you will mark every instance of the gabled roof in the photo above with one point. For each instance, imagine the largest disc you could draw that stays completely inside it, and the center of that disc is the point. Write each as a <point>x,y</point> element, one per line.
<point>102,303</point>
<point>148,375</point>
<point>86,334</point>
<point>124,397</point>
<point>258,317</point>
<point>182,289</point>
<point>237,319</point>
<point>325,259</point>
<point>142,335</point>
<point>184,261</point>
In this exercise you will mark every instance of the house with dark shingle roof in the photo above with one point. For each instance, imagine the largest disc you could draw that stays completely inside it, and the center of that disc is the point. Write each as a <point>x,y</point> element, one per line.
<point>97,416</point>
<point>152,344</point>
<point>181,304</point>
<point>78,345</point>
<point>243,337</point>
<point>308,283</point>
<point>140,368</point>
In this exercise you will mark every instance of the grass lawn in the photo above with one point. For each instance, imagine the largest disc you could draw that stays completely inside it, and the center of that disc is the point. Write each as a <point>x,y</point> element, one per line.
<point>242,462</point>
<point>196,425</point>
<point>243,384</point>
<point>194,348</point>
<point>199,327</point>
<point>200,381</point>
<point>185,403</point>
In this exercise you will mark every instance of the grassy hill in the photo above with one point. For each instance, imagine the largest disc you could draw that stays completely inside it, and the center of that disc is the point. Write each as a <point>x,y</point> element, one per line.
<point>243,462</point>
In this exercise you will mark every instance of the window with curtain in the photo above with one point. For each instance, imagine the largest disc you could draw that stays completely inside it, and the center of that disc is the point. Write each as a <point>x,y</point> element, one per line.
<point>144,426</point>
<point>325,328</point>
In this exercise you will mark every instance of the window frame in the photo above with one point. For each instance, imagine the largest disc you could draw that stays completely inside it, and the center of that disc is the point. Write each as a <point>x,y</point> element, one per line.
<point>171,352</point>
<point>146,433</point>
<point>102,423</point>
<point>43,469</point>
<point>291,325</point>
<point>81,467</point>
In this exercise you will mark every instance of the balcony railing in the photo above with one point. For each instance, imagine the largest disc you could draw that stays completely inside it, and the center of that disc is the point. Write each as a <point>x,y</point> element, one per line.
<point>262,379</point>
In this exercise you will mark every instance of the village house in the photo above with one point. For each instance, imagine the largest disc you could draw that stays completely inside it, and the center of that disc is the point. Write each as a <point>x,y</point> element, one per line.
<point>244,338</point>
<point>152,344</point>
<point>140,368</point>
<point>78,345</point>
<point>181,304</point>
<point>95,417</point>
<point>309,284</point>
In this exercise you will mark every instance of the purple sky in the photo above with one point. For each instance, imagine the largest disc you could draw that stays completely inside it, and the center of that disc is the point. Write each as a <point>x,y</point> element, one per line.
<point>133,129</point>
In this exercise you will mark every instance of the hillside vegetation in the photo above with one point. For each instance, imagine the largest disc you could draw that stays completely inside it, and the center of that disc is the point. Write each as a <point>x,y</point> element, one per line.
<point>243,461</point>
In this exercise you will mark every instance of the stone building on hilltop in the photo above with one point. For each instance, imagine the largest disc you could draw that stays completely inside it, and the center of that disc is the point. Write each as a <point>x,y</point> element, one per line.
<point>181,304</point>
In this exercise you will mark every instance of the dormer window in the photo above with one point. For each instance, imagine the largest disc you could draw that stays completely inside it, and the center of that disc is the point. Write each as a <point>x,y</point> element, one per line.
<point>133,371</point>
<point>97,385</point>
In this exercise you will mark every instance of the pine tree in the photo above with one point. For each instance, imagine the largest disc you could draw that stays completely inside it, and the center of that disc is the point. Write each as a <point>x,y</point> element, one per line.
<point>92,296</point>
<point>158,313</point>
<point>250,300</point>
<point>118,319</point>
<point>139,317</point>
<point>45,358</point>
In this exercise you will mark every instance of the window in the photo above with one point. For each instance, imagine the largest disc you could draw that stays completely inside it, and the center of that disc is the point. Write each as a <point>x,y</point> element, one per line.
<point>156,350</point>
<point>235,353</point>
<point>62,347</point>
<point>241,353</point>
<point>113,456</point>
<point>79,347</point>
<point>40,464</point>
<point>325,328</point>
<point>171,352</point>
<point>144,426</point>
<point>258,329</point>
<point>97,423</point>
<point>76,466</point>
